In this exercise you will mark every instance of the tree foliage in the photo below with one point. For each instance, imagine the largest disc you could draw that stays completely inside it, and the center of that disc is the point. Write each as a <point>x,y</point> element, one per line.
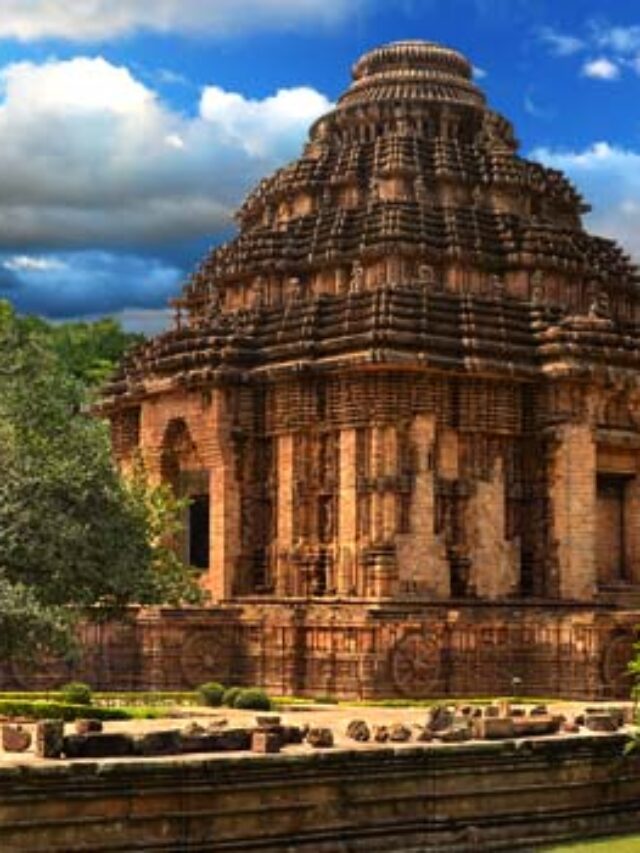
<point>88,351</point>
<point>73,534</point>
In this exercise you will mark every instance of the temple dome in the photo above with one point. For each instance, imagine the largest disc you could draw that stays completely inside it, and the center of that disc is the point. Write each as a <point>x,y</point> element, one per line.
<point>408,231</point>
<point>414,71</point>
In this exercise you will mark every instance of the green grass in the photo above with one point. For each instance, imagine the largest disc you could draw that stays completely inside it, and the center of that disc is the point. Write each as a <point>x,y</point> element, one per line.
<point>621,844</point>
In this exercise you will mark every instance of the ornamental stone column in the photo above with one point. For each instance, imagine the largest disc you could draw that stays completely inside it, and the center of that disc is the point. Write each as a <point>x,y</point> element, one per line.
<point>347,513</point>
<point>224,503</point>
<point>284,510</point>
<point>572,490</point>
<point>422,560</point>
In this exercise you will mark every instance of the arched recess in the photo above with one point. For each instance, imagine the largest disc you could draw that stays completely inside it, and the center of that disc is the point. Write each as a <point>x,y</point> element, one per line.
<point>183,469</point>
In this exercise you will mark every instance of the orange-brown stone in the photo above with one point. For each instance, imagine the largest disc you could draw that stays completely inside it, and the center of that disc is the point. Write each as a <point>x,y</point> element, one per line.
<point>412,380</point>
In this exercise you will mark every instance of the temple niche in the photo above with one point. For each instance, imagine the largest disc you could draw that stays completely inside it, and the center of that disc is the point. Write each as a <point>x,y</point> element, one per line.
<point>411,380</point>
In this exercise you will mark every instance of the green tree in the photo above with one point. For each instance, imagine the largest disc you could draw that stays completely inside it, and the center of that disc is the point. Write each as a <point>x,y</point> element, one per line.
<point>88,351</point>
<point>74,537</point>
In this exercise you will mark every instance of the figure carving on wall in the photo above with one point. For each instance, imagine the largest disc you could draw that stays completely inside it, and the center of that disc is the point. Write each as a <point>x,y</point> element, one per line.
<point>356,283</point>
<point>258,296</point>
<point>295,289</point>
<point>537,287</point>
<point>420,189</point>
<point>497,286</point>
<point>603,304</point>
<point>426,274</point>
<point>215,302</point>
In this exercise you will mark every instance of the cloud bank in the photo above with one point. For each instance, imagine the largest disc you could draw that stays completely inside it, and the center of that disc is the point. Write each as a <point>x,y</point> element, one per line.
<point>91,157</point>
<point>610,50</point>
<point>98,20</point>
<point>94,163</point>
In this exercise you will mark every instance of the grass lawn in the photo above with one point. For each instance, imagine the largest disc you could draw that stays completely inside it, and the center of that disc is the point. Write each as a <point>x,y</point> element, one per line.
<point>624,844</point>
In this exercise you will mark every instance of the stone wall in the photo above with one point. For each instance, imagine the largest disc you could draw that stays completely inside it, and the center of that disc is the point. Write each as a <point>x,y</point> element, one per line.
<point>357,651</point>
<point>488,796</point>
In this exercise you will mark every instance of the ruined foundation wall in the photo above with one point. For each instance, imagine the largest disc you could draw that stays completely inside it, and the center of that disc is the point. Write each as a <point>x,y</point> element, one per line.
<point>356,651</point>
<point>373,800</point>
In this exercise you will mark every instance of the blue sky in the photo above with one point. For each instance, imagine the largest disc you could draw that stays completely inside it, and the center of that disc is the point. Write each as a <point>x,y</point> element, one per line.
<point>132,129</point>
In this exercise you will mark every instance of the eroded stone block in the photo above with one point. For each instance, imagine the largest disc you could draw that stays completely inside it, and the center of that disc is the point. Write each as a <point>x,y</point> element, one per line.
<point>320,738</point>
<point>15,738</point>
<point>49,738</point>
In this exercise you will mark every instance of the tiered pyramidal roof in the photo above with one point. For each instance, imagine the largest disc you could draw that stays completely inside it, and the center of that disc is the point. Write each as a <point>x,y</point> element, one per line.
<point>409,230</point>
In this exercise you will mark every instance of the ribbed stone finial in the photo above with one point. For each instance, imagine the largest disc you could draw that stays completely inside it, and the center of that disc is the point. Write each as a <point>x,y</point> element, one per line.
<point>413,70</point>
<point>412,55</point>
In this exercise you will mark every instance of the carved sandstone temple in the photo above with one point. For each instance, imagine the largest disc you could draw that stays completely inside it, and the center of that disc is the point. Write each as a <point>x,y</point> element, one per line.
<point>405,403</point>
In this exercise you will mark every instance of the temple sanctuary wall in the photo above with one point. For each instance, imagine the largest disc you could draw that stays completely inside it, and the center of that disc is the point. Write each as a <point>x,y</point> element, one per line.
<point>350,650</point>
<point>488,796</point>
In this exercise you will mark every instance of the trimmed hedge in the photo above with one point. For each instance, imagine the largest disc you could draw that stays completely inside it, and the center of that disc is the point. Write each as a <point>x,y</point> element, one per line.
<point>230,696</point>
<point>252,699</point>
<point>76,693</point>
<point>42,710</point>
<point>211,693</point>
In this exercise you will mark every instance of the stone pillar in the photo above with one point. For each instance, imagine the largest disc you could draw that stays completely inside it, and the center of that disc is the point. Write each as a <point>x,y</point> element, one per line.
<point>284,514</point>
<point>632,529</point>
<point>347,513</point>
<point>389,470</point>
<point>377,498</point>
<point>494,560</point>
<point>382,570</point>
<point>224,500</point>
<point>573,500</point>
<point>151,434</point>
<point>422,561</point>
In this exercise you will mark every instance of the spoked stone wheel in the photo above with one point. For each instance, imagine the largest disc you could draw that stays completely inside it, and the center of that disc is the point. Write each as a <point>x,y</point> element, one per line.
<point>415,664</point>
<point>202,659</point>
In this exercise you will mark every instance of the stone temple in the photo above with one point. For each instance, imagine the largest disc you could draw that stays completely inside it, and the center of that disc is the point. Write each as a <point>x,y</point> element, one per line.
<point>405,403</point>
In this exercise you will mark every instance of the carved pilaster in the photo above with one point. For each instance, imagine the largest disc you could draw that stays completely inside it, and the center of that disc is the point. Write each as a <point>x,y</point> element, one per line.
<point>573,507</point>
<point>422,563</point>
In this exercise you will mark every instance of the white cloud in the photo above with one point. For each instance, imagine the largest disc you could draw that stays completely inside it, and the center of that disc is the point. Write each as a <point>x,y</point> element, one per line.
<point>609,178</point>
<point>174,140</point>
<point>31,263</point>
<point>479,73</point>
<point>91,157</point>
<point>255,126</point>
<point>83,85</point>
<point>601,69</point>
<point>618,39</point>
<point>618,46</point>
<point>97,20</point>
<point>561,44</point>
<point>536,110</point>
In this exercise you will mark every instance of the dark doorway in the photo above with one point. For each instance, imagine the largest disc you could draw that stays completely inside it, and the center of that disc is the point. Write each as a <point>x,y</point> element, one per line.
<point>610,547</point>
<point>199,531</point>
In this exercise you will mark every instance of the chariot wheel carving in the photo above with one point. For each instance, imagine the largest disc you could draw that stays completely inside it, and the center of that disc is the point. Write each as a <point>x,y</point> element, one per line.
<point>201,659</point>
<point>616,656</point>
<point>415,664</point>
<point>48,673</point>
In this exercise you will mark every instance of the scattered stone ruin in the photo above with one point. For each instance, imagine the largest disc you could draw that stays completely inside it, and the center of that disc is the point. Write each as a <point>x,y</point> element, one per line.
<point>405,405</point>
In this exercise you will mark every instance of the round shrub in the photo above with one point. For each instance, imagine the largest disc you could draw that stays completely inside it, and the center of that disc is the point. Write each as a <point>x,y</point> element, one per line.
<point>76,693</point>
<point>230,696</point>
<point>252,699</point>
<point>211,693</point>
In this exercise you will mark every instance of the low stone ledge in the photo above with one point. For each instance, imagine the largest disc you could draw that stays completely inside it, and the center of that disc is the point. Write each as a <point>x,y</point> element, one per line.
<point>540,787</point>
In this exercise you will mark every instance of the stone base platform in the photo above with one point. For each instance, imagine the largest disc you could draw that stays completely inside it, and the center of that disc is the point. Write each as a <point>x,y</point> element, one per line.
<point>358,650</point>
<point>512,796</point>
